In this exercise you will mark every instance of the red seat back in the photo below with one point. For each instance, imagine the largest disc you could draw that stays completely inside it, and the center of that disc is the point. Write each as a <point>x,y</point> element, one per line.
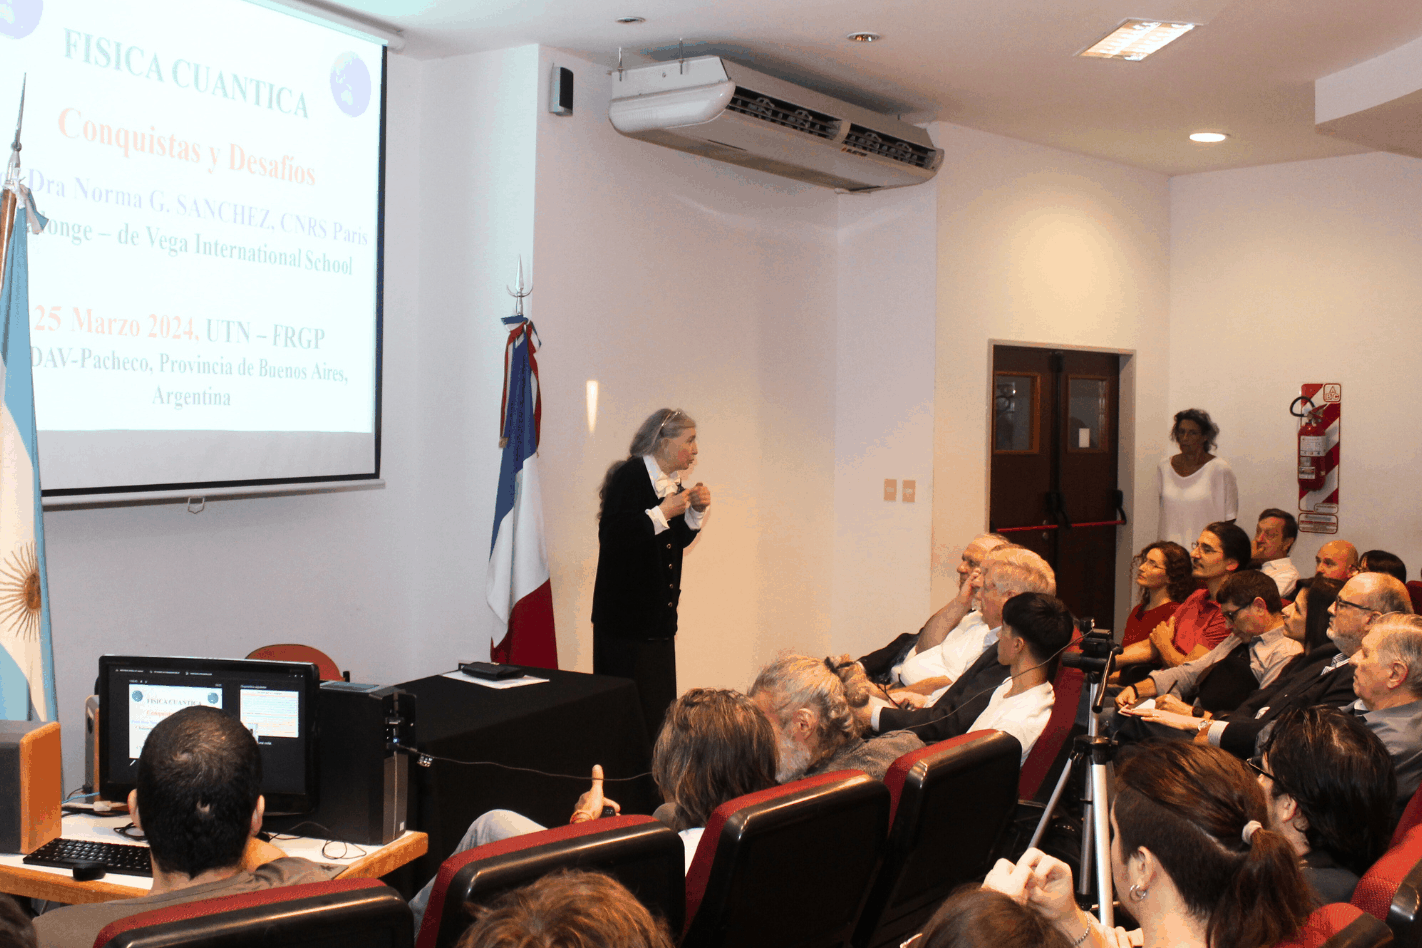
<point>360,913</point>
<point>1411,816</point>
<point>638,851</point>
<point>1391,891</point>
<point>951,802</point>
<point>300,653</point>
<point>1339,926</point>
<point>790,865</point>
<point>1414,592</point>
<point>1053,744</point>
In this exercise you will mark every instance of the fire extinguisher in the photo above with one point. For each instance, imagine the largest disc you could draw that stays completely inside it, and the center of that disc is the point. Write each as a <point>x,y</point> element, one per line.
<point>1312,443</point>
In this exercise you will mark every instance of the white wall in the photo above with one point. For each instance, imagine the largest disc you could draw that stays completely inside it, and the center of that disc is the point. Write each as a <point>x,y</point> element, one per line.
<point>1038,246</point>
<point>1306,272</point>
<point>676,281</point>
<point>884,415</point>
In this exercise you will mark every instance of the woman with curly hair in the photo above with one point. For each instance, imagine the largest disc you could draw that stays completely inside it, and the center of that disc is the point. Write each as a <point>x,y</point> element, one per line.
<point>1162,571</point>
<point>1195,486</point>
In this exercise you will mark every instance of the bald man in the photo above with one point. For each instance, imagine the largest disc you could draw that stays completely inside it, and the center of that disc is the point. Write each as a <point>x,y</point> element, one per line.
<point>1336,559</point>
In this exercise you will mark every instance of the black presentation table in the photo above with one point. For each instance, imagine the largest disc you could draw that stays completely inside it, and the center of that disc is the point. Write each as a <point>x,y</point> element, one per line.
<point>564,726</point>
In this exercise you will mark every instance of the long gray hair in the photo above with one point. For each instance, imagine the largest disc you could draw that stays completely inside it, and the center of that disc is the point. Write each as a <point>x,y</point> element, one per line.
<point>661,425</point>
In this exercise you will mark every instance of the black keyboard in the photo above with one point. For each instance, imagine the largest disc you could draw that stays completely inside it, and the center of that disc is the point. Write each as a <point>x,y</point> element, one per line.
<point>115,857</point>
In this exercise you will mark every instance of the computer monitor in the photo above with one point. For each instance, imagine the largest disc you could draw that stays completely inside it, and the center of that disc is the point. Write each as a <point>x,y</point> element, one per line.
<point>277,701</point>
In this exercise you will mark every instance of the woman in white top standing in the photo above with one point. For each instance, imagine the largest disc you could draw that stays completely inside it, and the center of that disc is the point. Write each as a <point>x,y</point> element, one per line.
<point>1196,488</point>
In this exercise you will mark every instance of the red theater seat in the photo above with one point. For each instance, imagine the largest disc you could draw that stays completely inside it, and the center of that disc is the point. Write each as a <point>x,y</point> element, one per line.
<point>1340,926</point>
<point>1052,748</point>
<point>788,866</point>
<point>950,803</point>
<point>638,851</point>
<point>1391,891</point>
<point>358,913</point>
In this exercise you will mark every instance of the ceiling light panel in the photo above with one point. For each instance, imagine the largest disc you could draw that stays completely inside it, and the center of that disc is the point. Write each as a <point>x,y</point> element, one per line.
<point>1134,40</point>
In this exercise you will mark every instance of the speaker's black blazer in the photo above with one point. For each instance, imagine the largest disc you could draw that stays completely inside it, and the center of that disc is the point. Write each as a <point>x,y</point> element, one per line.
<point>638,581</point>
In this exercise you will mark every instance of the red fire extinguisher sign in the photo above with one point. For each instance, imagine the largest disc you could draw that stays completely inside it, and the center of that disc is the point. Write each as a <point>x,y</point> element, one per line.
<point>1318,455</point>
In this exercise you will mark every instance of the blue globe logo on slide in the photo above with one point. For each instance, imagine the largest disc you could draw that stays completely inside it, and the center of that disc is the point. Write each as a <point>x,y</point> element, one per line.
<point>18,18</point>
<point>350,84</point>
<point>137,695</point>
<point>213,698</point>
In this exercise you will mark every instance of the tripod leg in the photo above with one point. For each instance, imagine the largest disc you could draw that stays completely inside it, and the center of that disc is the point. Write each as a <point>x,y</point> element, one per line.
<point>1052,804</point>
<point>1101,831</point>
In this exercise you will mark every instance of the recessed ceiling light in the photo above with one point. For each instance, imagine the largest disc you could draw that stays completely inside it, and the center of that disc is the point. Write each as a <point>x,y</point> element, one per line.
<point>863,37</point>
<point>1134,40</point>
<point>1208,137</point>
<point>631,19</point>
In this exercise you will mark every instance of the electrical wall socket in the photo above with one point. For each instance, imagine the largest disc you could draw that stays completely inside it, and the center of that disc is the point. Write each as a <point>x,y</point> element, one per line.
<point>910,487</point>
<point>891,489</point>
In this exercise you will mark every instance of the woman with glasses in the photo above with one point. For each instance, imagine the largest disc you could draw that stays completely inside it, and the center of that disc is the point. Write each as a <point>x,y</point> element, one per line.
<point>1193,859</point>
<point>646,518</point>
<point>1330,787</point>
<point>1163,573</point>
<point>1195,486</point>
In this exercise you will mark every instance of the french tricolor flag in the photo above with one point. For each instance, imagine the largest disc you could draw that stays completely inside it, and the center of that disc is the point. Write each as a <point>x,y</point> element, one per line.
<point>520,592</point>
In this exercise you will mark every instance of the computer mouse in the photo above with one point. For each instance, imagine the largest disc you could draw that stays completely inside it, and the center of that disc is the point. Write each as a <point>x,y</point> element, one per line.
<point>85,870</point>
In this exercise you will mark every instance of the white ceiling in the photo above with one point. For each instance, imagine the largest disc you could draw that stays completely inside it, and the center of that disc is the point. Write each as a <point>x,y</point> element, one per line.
<point>1005,66</point>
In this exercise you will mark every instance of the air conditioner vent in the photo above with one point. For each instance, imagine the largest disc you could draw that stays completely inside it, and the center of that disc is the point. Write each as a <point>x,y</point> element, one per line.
<point>864,141</point>
<point>786,114</point>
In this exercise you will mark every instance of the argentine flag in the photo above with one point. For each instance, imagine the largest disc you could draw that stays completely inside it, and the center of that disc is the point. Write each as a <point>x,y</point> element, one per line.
<point>27,657</point>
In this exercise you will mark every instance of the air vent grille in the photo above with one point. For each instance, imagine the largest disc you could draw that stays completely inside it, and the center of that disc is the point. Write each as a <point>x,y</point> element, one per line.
<point>864,141</point>
<point>786,114</point>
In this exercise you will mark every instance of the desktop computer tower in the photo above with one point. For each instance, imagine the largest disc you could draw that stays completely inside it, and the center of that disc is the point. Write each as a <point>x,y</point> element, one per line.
<point>364,784</point>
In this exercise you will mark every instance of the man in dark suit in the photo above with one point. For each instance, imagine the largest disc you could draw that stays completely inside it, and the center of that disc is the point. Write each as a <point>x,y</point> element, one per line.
<point>1006,572</point>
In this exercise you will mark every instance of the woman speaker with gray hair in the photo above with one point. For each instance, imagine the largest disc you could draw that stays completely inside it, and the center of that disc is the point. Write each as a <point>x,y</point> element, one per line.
<point>647,517</point>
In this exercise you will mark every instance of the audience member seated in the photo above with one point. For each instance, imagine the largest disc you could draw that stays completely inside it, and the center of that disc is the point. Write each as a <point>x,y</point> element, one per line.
<point>910,658</point>
<point>197,801</point>
<point>818,711</point>
<point>714,746</point>
<point>1381,561</point>
<point>1336,559</point>
<point>975,917</point>
<point>1331,789</point>
<point>1162,571</point>
<point>1387,676</point>
<point>1191,857</point>
<point>1006,572</point>
<point>1229,673</point>
<point>1274,537</point>
<point>16,929</point>
<point>1197,626</point>
<point>1322,675</point>
<point>567,910</point>
<point>1036,628</point>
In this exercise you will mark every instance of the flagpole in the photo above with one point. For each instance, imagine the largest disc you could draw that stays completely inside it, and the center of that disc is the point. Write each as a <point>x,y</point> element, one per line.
<point>10,189</point>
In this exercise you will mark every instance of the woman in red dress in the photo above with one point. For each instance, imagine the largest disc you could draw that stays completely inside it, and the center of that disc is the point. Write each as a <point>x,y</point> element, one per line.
<point>1163,574</point>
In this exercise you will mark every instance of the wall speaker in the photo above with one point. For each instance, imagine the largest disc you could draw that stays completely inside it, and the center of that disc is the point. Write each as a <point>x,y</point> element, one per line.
<point>560,91</point>
<point>31,785</point>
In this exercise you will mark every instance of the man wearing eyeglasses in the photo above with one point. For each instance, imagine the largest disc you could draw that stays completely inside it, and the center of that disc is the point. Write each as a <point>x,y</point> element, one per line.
<point>1362,601</point>
<point>1250,658</point>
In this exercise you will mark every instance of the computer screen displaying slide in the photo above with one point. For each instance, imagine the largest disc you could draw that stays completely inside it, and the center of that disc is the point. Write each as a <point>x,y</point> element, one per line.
<point>204,303</point>
<point>276,701</point>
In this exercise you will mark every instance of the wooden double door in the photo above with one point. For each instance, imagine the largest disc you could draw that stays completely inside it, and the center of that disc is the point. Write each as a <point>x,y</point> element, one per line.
<point>1055,419</point>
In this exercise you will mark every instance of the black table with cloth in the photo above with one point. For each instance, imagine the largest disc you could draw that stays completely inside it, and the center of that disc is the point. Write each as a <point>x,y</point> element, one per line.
<point>564,726</point>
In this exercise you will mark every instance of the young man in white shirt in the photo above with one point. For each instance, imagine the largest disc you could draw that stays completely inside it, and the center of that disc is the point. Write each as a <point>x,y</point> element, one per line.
<point>1035,629</point>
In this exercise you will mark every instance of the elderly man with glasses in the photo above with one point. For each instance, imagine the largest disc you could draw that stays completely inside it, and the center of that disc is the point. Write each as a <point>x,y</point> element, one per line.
<point>1250,658</point>
<point>1387,676</point>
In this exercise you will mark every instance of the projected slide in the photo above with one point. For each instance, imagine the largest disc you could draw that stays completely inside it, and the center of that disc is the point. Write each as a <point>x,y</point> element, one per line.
<point>203,303</point>
<point>149,704</point>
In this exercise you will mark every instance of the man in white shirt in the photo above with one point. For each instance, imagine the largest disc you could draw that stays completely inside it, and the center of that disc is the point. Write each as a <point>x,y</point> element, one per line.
<point>1035,629</point>
<point>910,658</point>
<point>1274,537</point>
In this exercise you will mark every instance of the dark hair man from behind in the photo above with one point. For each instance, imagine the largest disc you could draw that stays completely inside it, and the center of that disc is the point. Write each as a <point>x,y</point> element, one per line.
<point>198,801</point>
<point>198,791</point>
<point>567,909</point>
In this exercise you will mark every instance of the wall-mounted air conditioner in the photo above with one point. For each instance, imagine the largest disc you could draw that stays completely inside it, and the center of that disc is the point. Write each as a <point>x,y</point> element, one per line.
<point>720,109</point>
